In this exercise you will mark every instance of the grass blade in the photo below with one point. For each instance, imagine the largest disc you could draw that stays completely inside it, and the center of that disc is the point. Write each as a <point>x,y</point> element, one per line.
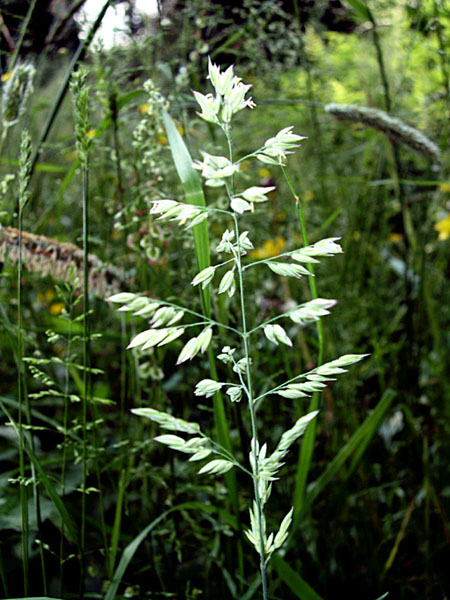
<point>193,190</point>
<point>130,550</point>
<point>293,580</point>
<point>72,531</point>
<point>360,9</point>
<point>356,445</point>
<point>194,195</point>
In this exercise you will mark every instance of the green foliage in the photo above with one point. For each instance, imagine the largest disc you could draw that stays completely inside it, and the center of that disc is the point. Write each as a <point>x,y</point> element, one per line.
<point>372,514</point>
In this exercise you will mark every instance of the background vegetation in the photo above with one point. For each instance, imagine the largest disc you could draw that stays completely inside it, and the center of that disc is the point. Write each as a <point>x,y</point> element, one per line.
<point>86,497</point>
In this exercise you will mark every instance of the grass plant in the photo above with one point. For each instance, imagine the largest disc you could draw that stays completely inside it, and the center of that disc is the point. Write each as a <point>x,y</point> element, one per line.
<point>90,505</point>
<point>220,171</point>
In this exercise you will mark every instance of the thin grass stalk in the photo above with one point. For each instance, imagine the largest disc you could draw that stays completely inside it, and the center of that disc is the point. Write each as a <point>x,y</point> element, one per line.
<point>81,112</point>
<point>307,447</point>
<point>23,398</point>
<point>86,352</point>
<point>64,453</point>
<point>24,196</point>
<point>410,382</point>
<point>3,139</point>
<point>251,407</point>
<point>23,30</point>
<point>438,5</point>
<point>23,488</point>
<point>251,404</point>
<point>123,478</point>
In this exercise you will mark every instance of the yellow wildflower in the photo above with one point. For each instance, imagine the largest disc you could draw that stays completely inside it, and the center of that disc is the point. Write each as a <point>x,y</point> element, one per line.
<point>143,108</point>
<point>263,172</point>
<point>56,308</point>
<point>356,235</point>
<point>91,133</point>
<point>161,139</point>
<point>443,227</point>
<point>395,237</point>
<point>270,248</point>
<point>309,195</point>
<point>49,295</point>
<point>445,188</point>
<point>6,76</point>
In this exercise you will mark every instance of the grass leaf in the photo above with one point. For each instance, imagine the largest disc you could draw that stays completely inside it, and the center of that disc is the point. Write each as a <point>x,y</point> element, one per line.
<point>293,580</point>
<point>69,523</point>
<point>130,550</point>
<point>356,445</point>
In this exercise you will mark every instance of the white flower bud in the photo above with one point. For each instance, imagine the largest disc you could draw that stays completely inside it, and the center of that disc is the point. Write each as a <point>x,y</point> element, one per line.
<point>204,277</point>
<point>122,298</point>
<point>190,350</point>
<point>240,205</point>
<point>207,388</point>
<point>257,193</point>
<point>217,466</point>
<point>204,339</point>
<point>235,393</point>
<point>226,282</point>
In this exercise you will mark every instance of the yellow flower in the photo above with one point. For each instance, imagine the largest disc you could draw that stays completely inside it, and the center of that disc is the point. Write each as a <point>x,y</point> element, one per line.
<point>6,76</point>
<point>270,248</point>
<point>443,227</point>
<point>309,195</point>
<point>395,237</point>
<point>263,172</point>
<point>49,295</point>
<point>91,133</point>
<point>56,308</point>
<point>161,139</point>
<point>356,235</point>
<point>143,108</point>
<point>445,188</point>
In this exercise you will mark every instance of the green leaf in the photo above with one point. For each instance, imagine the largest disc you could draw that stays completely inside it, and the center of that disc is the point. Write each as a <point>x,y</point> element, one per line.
<point>360,9</point>
<point>356,445</point>
<point>193,191</point>
<point>69,524</point>
<point>130,550</point>
<point>293,580</point>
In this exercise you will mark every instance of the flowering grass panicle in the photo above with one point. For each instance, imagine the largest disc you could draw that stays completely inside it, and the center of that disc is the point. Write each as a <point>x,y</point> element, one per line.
<point>234,256</point>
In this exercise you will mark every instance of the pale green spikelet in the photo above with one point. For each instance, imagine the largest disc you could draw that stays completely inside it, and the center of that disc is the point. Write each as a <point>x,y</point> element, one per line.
<point>24,169</point>
<point>394,128</point>
<point>80,97</point>
<point>15,93</point>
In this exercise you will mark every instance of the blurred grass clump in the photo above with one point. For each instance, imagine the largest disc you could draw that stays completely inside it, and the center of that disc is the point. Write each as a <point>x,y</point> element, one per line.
<point>374,516</point>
